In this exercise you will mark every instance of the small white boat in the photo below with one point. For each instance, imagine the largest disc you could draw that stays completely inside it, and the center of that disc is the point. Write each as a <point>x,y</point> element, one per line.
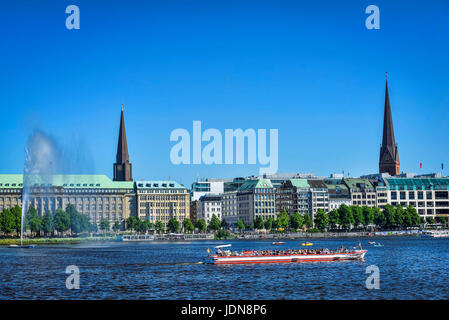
<point>278,243</point>
<point>435,234</point>
<point>372,242</point>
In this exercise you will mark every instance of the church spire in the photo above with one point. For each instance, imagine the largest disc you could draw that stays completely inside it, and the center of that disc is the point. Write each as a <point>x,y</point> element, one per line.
<point>389,156</point>
<point>122,167</point>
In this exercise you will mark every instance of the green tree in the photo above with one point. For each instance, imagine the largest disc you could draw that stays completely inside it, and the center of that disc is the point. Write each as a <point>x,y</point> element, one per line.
<point>296,221</point>
<point>132,223</point>
<point>390,216</point>
<point>334,219</point>
<point>48,224</point>
<point>321,220</point>
<point>357,213</point>
<point>430,220</point>
<point>117,226</point>
<point>408,220</point>
<point>283,220</point>
<point>7,221</point>
<point>240,225</point>
<point>258,223</point>
<point>173,225</point>
<point>214,223</point>
<point>159,226</point>
<point>400,216</point>
<point>379,218</point>
<point>221,234</point>
<point>188,225</point>
<point>346,217</point>
<point>145,225</point>
<point>105,225</point>
<point>17,216</point>
<point>268,224</point>
<point>61,220</point>
<point>78,222</point>
<point>308,221</point>
<point>368,216</point>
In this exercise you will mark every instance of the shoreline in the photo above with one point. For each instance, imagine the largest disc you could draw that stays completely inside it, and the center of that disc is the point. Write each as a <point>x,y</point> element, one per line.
<point>255,237</point>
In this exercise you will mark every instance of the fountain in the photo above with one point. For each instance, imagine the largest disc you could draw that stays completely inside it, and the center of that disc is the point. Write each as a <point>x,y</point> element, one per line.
<point>43,160</point>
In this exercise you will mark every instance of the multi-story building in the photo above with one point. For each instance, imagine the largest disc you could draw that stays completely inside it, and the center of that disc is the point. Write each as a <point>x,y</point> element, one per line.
<point>293,196</point>
<point>362,192</point>
<point>207,186</point>
<point>194,211</point>
<point>256,198</point>
<point>338,193</point>
<point>229,207</point>
<point>162,201</point>
<point>429,196</point>
<point>96,196</point>
<point>208,205</point>
<point>318,197</point>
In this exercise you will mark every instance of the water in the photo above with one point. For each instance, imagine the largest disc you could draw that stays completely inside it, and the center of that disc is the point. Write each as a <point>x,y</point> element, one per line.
<point>410,268</point>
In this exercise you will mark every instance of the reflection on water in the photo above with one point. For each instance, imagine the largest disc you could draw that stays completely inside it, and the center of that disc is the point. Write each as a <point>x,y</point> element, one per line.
<point>410,268</point>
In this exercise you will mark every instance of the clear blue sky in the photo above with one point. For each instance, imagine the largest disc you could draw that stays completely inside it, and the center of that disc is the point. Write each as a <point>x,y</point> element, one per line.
<point>311,70</point>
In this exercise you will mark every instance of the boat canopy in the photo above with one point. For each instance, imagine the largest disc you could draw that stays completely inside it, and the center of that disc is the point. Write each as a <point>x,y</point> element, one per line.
<point>223,246</point>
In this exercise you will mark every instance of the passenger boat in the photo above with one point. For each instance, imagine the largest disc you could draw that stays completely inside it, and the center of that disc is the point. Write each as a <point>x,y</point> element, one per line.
<point>283,256</point>
<point>278,243</point>
<point>307,244</point>
<point>435,234</point>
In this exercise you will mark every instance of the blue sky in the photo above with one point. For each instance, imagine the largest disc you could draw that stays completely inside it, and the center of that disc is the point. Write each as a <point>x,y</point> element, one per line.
<point>309,69</point>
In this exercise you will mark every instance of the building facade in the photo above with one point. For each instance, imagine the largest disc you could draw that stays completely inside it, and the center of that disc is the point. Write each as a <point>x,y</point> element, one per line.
<point>256,198</point>
<point>209,205</point>
<point>293,196</point>
<point>162,201</point>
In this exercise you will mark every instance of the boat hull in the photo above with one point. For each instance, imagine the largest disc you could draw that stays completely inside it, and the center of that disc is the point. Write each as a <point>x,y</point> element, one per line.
<point>246,259</point>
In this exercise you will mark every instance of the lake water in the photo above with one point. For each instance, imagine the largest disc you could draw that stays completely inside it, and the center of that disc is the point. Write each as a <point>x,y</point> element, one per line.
<point>410,268</point>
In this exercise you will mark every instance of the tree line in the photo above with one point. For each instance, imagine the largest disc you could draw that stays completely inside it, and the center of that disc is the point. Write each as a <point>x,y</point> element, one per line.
<point>345,218</point>
<point>59,223</point>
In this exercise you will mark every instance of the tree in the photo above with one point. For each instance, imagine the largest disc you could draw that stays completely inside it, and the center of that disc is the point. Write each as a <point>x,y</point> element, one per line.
<point>201,225</point>
<point>7,221</point>
<point>159,226</point>
<point>269,223</point>
<point>308,221</point>
<point>258,223</point>
<point>145,225</point>
<point>400,216</point>
<point>368,216</point>
<point>357,213</point>
<point>346,217</point>
<point>221,234</point>
<point>173,225</point>
<point>17,216</point>
<point>430,220</point>
<point>334,219</point>
<point>131,223</point>
<point>408,220</point>
<point>48,224</point>
<point>224,224</point>
<point>296,221</point>
<point>78,222</point>
<point>240,225</point>
<point>283,220</point>
<point>34,221</point>
<point>105,225</point>
<point>321,220</point>
<point>214,223</point>
<point>188,225</point>
<point>379,217</point>
<point>117,226</point>
<point>390,215</point>
<point>61,220</point>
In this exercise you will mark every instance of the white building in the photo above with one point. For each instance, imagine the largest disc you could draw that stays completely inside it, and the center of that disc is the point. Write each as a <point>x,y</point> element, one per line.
<point>207,206</point>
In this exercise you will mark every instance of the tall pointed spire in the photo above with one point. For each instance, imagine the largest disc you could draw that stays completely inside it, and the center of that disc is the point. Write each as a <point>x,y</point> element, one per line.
<point>122,167</point>
<point>389,156</point>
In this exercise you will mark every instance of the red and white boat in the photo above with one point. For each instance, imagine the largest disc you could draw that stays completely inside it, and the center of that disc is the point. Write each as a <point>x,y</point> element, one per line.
<point>283,256</point>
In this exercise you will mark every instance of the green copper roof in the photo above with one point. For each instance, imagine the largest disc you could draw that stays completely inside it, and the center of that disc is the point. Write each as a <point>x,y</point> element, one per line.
<point>75,181</point>
<point>300,183</point>
<point>356,183</point>
<point>417,182</point>
<point>256,184</point>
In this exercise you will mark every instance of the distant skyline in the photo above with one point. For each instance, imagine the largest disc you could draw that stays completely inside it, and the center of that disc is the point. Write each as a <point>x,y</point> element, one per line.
<point>311,70</point>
